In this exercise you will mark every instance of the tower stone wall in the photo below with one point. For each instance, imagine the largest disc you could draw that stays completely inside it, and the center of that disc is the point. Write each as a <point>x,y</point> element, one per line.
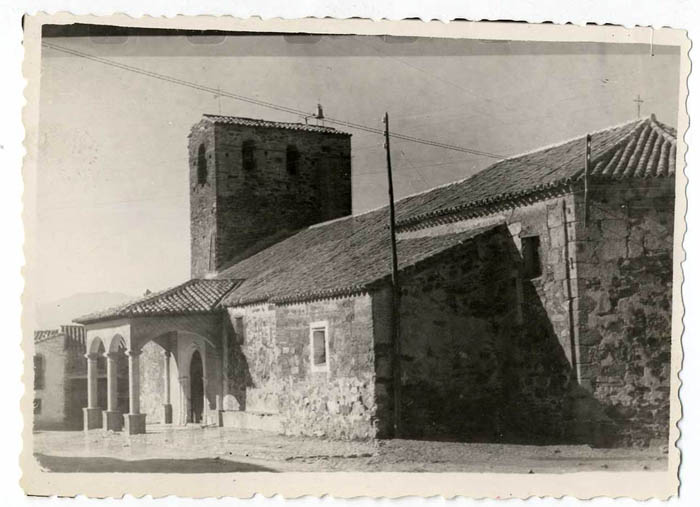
<point>254,182</point>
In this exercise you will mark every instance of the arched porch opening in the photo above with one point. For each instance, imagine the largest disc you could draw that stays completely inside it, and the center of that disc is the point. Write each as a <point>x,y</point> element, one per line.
<point>96,383</point>
<point>196,388</point>
<point>150,364</point>
<point>117,384</point>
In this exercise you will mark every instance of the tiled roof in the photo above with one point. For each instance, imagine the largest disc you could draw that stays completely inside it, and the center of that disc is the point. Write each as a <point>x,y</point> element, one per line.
<point>45,334</point>
<point>640,149</point>
<point>194,296</point>
<point>75,333</point>
<point>348,255</point>
<point>254,122</point>
<point>333,259</point>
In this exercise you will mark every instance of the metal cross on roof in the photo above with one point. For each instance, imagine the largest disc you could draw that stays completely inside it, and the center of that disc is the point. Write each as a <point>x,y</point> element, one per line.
<point>639,102</point>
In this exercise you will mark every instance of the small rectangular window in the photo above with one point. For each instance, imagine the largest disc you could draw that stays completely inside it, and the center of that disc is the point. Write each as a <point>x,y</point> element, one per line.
<point>292,159</point>
<point>239,330</point>
<point>532,265</point>
<point>39,368</point>
<point>37,406</point>
<point>248,155</point>
<point>319,346</point>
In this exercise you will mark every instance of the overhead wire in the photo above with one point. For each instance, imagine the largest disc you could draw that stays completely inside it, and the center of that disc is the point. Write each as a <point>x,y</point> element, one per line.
<point>266,104</point>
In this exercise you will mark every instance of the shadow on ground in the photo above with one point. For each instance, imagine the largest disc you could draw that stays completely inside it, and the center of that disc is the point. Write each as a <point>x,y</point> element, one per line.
<point>66,464</point>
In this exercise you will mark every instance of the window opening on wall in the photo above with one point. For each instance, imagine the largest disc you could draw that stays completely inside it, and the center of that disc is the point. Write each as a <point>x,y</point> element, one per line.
<point>239,330</point>
<point>532,265</point>
<point>39,367</point>
<point>319,346</point>
<point>37,406</point>
<point>292,159</point>
<point>201,165</point>
<point>248,154</point>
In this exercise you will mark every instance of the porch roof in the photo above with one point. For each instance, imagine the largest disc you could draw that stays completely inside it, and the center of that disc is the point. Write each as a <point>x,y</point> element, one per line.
<point>195,296</point>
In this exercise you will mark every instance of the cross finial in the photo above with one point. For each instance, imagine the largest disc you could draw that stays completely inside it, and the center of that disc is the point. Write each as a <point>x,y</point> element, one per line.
<point>639,102</point>
<point>218,96</point>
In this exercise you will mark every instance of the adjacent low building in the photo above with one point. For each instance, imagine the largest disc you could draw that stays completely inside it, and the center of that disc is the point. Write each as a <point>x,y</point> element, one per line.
<point>60,381</point>
<point>535,301</point>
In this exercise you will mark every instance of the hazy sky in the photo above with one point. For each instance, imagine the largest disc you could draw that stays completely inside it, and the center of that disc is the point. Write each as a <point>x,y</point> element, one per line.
<point>113,204</point>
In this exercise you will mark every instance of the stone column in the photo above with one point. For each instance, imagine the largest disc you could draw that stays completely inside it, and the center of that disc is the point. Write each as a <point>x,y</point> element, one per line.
<point>92,417</point>
<point>205,404</point>
<point>167,407</point>
<point>185,399</point>
<point>134,421</point>
<point>222,386</point>
<point>112,418</point>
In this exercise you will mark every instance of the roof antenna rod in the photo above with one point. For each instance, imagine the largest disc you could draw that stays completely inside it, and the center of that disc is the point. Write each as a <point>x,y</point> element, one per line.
<point>585,180</point>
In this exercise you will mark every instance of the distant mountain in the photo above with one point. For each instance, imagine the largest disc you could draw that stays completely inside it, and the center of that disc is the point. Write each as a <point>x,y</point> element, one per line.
<point>62,311</point>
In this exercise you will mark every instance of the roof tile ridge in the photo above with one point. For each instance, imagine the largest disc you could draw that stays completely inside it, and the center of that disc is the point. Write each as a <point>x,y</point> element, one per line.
<point>518,155</point>
<point>659,130</point>
<point>235,283</point>
<point>570,139</point>
<point>616,145</point>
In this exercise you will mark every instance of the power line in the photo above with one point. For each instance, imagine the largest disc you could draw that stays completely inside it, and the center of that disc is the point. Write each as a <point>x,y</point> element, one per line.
<point>222,93</point>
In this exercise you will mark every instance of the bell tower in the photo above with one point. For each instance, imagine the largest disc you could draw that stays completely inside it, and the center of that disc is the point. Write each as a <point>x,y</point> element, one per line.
<point>254,182</point>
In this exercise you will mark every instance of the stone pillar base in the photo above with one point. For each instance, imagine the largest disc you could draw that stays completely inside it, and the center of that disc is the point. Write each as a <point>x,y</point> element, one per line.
<point>167,413</point>
<point>112,420</point>
<point>135,424</point>
<point>92,418</point>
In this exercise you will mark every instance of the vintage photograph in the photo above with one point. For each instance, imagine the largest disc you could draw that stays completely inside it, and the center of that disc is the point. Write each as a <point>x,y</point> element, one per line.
<point>258,251</point>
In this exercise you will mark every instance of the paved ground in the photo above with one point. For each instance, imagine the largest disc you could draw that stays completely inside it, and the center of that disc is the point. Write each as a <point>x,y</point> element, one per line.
<point>196,450</point>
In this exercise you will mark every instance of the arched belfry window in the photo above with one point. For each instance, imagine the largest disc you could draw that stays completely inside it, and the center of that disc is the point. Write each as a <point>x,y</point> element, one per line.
<point>248,154</point>
<point>292,159</point>
<point>201,165</point>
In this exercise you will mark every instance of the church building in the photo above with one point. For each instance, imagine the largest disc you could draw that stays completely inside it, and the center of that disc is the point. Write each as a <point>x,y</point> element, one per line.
<point>535,297</point>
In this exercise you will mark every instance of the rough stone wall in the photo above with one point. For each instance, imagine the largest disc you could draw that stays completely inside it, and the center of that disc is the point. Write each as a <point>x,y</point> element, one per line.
<point>203,204</point>
<point>240,210</point>
<point>464,347</point>
<point>535,358</point>
<point>52,395</point>
<point>270,372</point>
<point>625,270</point>
<point>151,376</point>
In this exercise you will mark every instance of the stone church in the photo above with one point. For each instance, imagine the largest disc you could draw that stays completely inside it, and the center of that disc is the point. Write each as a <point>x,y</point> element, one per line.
<point>535,301</point>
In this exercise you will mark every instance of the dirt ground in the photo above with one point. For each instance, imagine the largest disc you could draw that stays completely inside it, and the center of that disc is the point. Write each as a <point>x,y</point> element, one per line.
<point>210,450</point>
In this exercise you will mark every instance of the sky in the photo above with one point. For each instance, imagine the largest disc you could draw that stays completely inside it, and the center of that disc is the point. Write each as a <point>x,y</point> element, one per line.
<point>112,190</point>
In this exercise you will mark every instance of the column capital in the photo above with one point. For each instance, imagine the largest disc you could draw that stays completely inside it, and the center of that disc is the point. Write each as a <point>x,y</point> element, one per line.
<point>112,355</point>
<point>92,356</point>
<point>133,352</point>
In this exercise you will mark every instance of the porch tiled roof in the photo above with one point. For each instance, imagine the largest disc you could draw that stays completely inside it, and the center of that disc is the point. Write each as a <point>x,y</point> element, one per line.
<point>643,148</point>
<point>194,296</point>
<point>341,257</point>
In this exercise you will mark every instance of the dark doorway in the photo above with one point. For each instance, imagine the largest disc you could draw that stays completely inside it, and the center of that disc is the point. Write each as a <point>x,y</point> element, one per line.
<point>196,388</point>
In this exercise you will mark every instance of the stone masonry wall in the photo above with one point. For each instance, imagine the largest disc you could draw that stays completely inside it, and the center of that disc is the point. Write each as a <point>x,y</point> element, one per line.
<point>472,369</point>
<point>52,395</point>
<point>625,270</point>
<point>238,211</point>
<point>535,356</point>
<point>202,202</point>
<point>270,367</point>
<point>151,375</point>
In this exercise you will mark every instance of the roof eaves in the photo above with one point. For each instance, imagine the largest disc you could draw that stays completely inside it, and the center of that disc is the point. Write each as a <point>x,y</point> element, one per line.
<point>488,205</point>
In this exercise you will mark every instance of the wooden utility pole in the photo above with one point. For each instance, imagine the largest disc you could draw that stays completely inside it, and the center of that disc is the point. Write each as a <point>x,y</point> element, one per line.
<point>395,290</point>
<point>586,170</point>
